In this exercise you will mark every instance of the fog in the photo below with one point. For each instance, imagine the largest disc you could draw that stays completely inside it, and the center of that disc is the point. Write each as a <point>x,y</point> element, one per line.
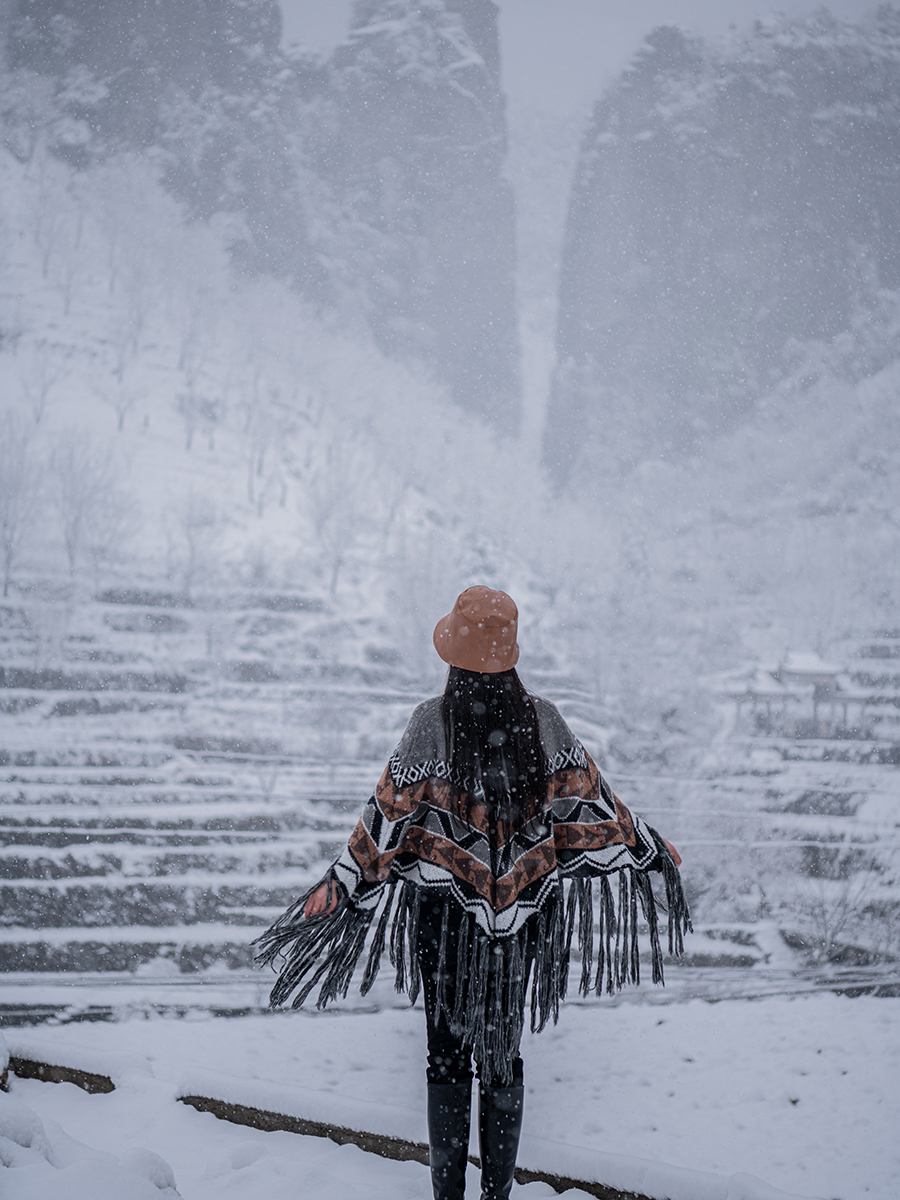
<point>308,324</point>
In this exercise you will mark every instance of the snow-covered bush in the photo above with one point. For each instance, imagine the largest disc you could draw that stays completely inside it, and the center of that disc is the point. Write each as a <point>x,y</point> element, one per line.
<point>42,1162</point>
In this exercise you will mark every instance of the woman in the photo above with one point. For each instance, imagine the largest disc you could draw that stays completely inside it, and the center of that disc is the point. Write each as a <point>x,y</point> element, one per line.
<point>487,805</point>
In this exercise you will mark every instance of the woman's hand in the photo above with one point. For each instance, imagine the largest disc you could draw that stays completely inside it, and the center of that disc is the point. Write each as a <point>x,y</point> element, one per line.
<point>675,854</point>
<point>318,901</point>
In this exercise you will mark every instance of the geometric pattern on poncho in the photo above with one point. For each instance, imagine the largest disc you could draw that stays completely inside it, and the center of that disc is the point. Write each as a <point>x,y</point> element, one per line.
<point>406,774</point>
<point>408,830</point>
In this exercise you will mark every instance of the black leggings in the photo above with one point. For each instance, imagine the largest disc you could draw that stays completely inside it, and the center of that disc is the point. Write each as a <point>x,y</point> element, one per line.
<point>449,1061</point>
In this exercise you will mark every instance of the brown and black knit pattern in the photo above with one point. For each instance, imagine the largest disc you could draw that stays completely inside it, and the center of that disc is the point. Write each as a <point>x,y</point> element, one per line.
<point>410,829</point>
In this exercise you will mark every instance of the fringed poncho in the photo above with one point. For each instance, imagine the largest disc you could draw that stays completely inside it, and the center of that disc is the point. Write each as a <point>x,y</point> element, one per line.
<point>515,900</point>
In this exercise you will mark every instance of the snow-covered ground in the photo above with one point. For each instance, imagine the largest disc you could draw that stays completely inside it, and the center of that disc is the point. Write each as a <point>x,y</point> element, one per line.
<point>799,1092</point>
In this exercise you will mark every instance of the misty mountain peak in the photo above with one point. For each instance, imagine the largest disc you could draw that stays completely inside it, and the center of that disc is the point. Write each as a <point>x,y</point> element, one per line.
<point>733,223</point>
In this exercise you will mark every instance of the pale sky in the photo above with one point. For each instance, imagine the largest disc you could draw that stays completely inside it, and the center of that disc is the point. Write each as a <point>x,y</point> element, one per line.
<point>559,54</point>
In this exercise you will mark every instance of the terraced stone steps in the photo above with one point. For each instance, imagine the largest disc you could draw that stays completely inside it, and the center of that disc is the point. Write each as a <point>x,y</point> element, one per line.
<point>62,864</point>
<point>160,829</point>
<point>108,867</point>
<point>185,949</point>
<point>785,830</point>
<point>175,769</point>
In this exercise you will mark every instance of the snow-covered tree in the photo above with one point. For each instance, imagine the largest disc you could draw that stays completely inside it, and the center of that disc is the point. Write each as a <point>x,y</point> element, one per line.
<point>20,491</point>
<point>196,527</point>
<point>87,498</point>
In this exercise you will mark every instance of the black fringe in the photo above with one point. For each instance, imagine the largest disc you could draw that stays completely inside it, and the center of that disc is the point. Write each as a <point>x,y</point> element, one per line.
<point>377,948</point>
<point>676,903</point>
<point>397,948</point>
<point>585,931</point>
<point>571,906</point>
<point>443,976</point>
<point>414,910</point>
<point>326,947</point>
<point>483,993</point>
<point>607,925</point>
<point>648,908</point>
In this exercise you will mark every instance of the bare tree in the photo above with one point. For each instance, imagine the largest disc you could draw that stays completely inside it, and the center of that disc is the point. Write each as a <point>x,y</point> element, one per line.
<point>121,397</point>
<point>260,427</point>
<point>337,500</point>
<point>109,528</point>
<point>199,412</point>
<point>6,246</point>
<point>84,482</point>
<point>127,323</point>
<point>270,421</point>
<point>20,491</point>
<point>113,205</point>
<point>135,220</point>
<point>50,205</point>
<point>73,257</point>
<point>12,326</point>
<point>138,291</point>
<point>195,536</point>
<point>837,902</point>
<point>27,106</point>
<point>42,375</point>
<point>188,407</point>
<point>197,326</point>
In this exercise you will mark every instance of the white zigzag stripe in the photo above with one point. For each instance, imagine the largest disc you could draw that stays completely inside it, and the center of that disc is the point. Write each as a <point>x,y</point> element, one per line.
<point>572,756</point>
<point>438,768</point>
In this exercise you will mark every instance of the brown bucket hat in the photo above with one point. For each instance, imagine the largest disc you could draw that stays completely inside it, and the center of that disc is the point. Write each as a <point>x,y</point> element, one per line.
<point>480,633</point>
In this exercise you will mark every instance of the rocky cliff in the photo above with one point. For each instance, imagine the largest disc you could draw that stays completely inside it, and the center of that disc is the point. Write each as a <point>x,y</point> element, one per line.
<point>733,229</point>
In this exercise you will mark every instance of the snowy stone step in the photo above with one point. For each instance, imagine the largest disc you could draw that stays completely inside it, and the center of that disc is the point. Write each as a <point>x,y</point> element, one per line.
<point>87,862</point>
<point>64,755</point>
<point>59,679</point>
<point>174,817</point>
<point>191,899</point>
<point>120,955</point>
<point>222,766</point>
<point>186,949</point>
<point>876,751</point>
<point>173,763</point>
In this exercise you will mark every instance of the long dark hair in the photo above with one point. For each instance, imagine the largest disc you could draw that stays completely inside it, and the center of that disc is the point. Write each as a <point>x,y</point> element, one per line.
<point>494,746</point>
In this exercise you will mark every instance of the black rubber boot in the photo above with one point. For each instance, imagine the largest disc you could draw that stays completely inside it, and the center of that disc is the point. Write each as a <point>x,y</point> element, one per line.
<point>449,1114</point>
<point>499,1128</point>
